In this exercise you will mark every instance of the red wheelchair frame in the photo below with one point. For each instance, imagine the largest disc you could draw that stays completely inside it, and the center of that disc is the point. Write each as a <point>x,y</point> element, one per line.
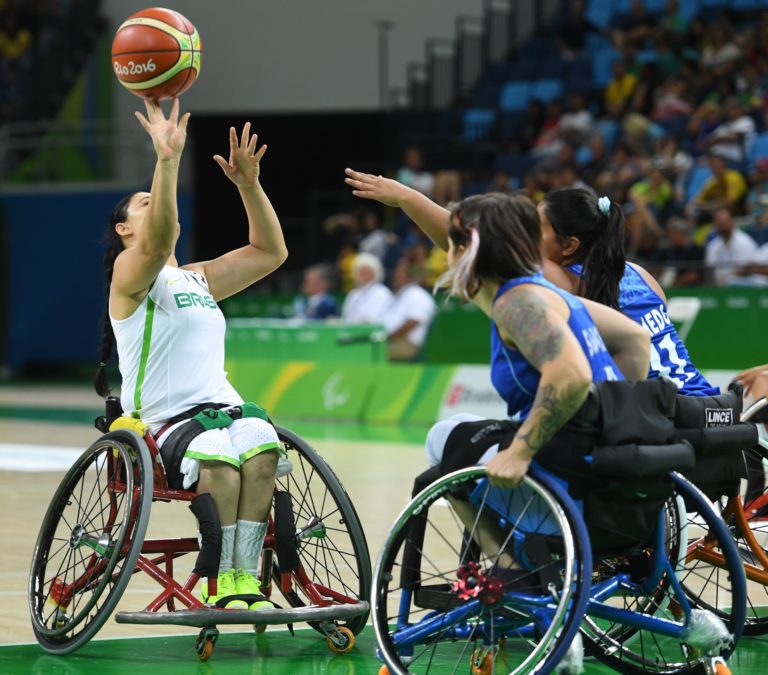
<point>130,493</point>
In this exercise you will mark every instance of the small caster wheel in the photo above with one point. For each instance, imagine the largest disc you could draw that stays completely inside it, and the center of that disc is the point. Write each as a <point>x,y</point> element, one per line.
<point>341,641</point>
<point>206,641</point>
<point>481,663</point>
<point>384,670</point>
<point>259,628</point>
<point>60,618</point>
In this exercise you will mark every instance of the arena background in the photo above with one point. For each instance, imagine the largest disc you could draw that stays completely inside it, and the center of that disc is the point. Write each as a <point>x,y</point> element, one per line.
<point>326,85</point>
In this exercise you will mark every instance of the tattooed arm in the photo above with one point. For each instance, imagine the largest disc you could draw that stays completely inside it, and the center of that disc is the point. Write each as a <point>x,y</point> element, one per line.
<point>534,322</point>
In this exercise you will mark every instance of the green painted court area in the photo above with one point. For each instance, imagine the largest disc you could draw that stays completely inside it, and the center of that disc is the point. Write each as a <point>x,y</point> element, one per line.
<point>273,653</point>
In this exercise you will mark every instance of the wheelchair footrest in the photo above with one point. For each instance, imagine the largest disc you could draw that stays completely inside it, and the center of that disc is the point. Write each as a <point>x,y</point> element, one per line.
<point>439,597</point>
<point>211,617</point>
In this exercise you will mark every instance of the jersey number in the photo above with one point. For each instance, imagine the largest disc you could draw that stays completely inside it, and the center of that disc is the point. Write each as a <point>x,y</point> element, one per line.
<point>675,366</point>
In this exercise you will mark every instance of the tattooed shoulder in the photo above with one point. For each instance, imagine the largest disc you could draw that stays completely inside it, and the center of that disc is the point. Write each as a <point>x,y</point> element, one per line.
<point>523,315</point>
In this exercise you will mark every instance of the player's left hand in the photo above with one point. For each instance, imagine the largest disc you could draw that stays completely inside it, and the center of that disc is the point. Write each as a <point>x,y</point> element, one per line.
<point>507,469</point>
<point>243,165</point>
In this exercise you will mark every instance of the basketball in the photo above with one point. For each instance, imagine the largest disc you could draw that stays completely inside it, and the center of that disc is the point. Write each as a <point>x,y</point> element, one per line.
<point>156,53</point>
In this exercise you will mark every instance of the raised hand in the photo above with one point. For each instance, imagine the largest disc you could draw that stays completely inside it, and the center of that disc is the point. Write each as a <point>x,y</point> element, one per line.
<point>378,188</point>
<point>168,134</point>
<point>243,165</point>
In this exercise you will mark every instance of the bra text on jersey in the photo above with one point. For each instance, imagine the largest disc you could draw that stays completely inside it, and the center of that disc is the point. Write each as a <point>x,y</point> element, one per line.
<point>194,299</point>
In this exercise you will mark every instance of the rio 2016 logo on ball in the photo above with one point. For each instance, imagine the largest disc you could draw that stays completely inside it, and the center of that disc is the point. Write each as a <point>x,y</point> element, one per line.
<point>156,53</point>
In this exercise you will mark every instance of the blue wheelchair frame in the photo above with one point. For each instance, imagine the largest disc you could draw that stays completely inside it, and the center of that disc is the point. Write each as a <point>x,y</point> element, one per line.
<point>590,599</point>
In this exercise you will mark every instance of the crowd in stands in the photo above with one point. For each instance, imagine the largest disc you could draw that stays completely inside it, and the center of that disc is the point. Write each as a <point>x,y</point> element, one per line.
<point>677,133</point>
<point>25,28</point>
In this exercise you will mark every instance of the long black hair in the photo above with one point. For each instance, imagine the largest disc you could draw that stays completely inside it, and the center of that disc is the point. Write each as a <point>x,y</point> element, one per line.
<point>598,224</point>
<point>114,246</point>
<point>502,236</point>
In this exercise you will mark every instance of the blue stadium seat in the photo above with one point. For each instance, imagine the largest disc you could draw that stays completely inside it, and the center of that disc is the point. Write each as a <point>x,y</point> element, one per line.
<point>609,130</point>
<point>758,150</point>
<point>602,65</point>
<point>698,175</point>
<point>478,123</point>
<point>547,90</point>
<point>689,8</point>
<point>599,12</point>
<point>474,187</point>
<point>655,6</point>
<point>515,95</point>
<point>747,5</point>
<point>516,165</point>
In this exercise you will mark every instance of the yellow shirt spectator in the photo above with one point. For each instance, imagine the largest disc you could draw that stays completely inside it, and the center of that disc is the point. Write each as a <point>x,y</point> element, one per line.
<point>619,90</point>
<point>729,189</point>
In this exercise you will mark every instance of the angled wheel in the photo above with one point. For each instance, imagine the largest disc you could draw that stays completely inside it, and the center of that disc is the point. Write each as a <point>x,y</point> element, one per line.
<point>710,576</point>
<point>89,541</point>
<point>332,546</point>
<point>477,579</point>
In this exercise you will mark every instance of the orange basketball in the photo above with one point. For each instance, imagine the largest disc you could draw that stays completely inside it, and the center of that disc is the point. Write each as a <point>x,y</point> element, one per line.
<point>156,53</point>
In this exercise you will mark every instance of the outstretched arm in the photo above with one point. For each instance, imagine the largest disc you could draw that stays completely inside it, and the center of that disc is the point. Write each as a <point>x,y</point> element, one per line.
<point>266,250</point>
<point>433,219</point>
<point>541,334</point>
<point>137,267</point>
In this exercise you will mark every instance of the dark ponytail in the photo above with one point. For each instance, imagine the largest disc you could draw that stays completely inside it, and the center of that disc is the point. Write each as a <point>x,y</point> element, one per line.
<point>598,224</point>
<point>114,246</point>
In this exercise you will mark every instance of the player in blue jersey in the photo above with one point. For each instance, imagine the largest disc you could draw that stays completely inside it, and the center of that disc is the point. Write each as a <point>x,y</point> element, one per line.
<point>584,254</point>
<point>584,238</point>
<point>547,345</point>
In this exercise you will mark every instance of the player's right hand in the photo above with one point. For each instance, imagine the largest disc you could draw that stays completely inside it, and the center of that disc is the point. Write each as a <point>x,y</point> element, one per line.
<point>168,134</point>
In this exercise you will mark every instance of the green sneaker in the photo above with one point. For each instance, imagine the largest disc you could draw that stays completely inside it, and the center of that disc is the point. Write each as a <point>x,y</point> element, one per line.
<point>225,587</point>
<point>247,584</point>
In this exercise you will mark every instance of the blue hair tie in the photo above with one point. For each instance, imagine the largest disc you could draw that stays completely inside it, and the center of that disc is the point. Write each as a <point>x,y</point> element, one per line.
<point>604,205</point>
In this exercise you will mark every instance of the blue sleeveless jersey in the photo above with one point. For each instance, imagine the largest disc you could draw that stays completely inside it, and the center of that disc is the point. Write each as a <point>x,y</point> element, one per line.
<point>516,380</point>
<point>669,357</point>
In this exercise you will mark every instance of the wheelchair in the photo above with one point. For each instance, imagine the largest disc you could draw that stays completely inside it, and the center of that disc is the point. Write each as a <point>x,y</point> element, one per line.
<point>478,579</point>
<point>93,540</point>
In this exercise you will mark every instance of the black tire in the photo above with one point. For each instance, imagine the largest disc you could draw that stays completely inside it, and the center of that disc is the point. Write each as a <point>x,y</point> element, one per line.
<point>89,541</point>
<point>641,651</point>
<point>339,559</point>
<point>422,565</point>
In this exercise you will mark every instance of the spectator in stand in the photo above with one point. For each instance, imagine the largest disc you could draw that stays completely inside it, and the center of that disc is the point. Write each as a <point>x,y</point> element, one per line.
<point>531,126</point>
<point>725,189</point>
<point>672,22</point>
<point>671,102</point>
<point>642,230</point>
<point>578,123</point>
<point>596,158</point>
<point>410,315</point>
<point>412,172</point>
<point>729,250</point>
<point>624,168</point>
<point>757,203</point>
<point>316,301</point>
<point>618,93</point>
<point>755,273</point>
<point>548,143</point>
<point>653,192</point>
<point>720,55</point>
<point>375,239</point>
<point>705,119</point>
<point>572,32</point>
<point>369,300</point>
<point>633,28</point>
<point>682,262</point>
<point>15,39</point>
<point>733,138</point>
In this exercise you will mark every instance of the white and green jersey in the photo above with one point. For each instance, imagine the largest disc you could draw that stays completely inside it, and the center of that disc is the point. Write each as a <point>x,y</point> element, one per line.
<point>171,349</point>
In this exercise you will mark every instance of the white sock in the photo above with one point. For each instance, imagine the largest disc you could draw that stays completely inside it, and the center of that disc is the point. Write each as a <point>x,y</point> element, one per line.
<point>248,544</point>
<point>227,548</point>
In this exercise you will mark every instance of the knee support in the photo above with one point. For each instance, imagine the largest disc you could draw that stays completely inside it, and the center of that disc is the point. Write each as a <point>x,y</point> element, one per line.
<point>207,563</point>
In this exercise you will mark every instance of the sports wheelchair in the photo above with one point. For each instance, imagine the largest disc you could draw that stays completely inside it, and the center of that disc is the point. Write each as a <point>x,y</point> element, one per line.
<point>92,541</point>
<point>479,579</point>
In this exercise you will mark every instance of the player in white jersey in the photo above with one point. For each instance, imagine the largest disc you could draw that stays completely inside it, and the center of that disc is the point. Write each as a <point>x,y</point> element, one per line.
<point>169,334</point>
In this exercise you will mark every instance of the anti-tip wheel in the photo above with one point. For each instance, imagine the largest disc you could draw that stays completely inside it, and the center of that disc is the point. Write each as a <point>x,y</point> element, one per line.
<point>342,641</point>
